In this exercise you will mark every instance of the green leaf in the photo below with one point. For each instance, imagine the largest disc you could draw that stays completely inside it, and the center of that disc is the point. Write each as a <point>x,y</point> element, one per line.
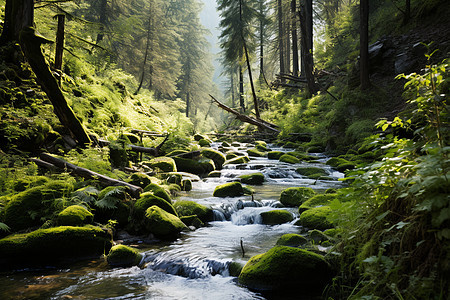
<point>371,260</point>
<point>4,227</point>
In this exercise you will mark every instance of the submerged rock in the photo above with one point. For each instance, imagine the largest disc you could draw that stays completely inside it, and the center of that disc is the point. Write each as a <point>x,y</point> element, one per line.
<point>231,189</point>
<point>286,270</point>
<point>254,178</point>
<point>74,215</point>
<point>275,217</point>
<point>295,196</point>
<point>53,245</point>
<point>123,256</point>
<point>161,223</point>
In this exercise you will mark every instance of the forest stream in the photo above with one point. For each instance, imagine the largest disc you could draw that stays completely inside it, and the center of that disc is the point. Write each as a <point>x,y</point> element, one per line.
<point>196,265</point>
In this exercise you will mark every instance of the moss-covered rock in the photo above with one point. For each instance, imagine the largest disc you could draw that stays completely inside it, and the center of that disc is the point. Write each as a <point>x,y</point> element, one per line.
<point>291,240</point>
<point>139,179</point>
<point>189,208</point>
<point>341,164</point>
<point>74,215</point>
<point>231,189</point>
<point>317,236</point>
<point>163,164</point>
<point>123,256</point>
<point>161,223</point>
<point>261,146</point>
<point>315,201</point>
<point>275,155</point>
<point>158,191</point>
<point>316,218</point>
<point>133,138</point>
<point>21,184</point>
<point>289,159</point>
<point>215,174</point>
<point>254,178</point>
<point>256,152</point>
<point>147,200</point>
<point>225,144</point>
<point>286,270</point>
<point>198,137</point>
<point>231,155</point>
<point>186,185</point>
<point>198,167</point>
<point>51,246</point>
<point>311,172</point>
<point>237,160</point>
<point>275,217</point>
<point>112,204</point>
<point>218,158</point>
<point>33,206</point>
<point>204,143</point>
<point>295,196</point>
<point>192,221</point>
<point>174,178</point>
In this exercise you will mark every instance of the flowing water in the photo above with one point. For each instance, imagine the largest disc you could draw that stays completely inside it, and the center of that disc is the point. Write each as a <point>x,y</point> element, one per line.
<point>195,266</point>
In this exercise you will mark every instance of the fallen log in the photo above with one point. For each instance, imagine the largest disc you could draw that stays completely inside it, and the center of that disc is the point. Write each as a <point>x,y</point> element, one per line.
<point>151,151</point>
<point>43,164</point>
<point>261,124</point>
<point>135,191</point>
<point>147,133</point>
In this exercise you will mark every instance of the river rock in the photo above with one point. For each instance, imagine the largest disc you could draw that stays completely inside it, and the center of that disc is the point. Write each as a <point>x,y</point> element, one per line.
<point>311,172</point>
<point>261,146</point>
<point>254,178</point>
<point>316,218</point>
<point>291,240</point>
<point>139,179</point>
<point>158,191</point>
<point>237,160</point>
<point>204,143</point>
<point>189,208</point>
<point>192,221</point>
<point>318,236</point>
<point>161,223</point>
<point>275,217</point>
<point>315,201</point>
<point>147,200</point>
<point>274,154</point>
<point>198,137</point>
<point>340,164</point>
<point>218,158</point>
<point>186,185</point>
<point>112,204</point>
<point>51,246</point>
<point>231,189</point>
<point>289,159</point>
<point>256,152</point>
<point>164,164</point>
<point>198,167</point>
<point>123,256</point>
<point>74,215</point>
<point>286,270</point>
<point>295,196</point>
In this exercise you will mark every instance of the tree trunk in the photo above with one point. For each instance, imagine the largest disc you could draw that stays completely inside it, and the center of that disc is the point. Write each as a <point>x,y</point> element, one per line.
<point>59,42</point>
<point>31,46</point>
<point>261,41</point>
<point>364,44</point>
<point>280,35</point>
<point>306,26</point>
<point>295,67</point>
<point>188,102</point>
<point>241,89</point>
<point>18,15</point>
<point>147,46</point>
<point>102,20</point>
<point>233,97</point>
<point>407,12</point>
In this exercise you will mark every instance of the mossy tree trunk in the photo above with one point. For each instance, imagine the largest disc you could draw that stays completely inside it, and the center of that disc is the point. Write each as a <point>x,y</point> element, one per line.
<point>364,44</point>
<point>18,15</point>
<point>59,41</point>
<point>31,46</point>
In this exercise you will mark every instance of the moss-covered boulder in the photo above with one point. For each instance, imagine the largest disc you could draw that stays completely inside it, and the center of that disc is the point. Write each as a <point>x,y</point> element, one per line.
<point>275,155</point>
<point>341,164</point>
<point>256,152</point>
<point>225,144</point>
<point>193,221</point>
<point>189,208</point>
<point>33,206</point>
<point>317,236</point>
<point>215,174</point>
<point>158,191</point>
<point>123,256</point>
<point>74,215</point>
<point>198,137</point>
<point>139,179</point>
<point>147,200</point>
<point>275,217</point>
<point>113,204</point>
<point>315,201</point>
<point>231,155</point>
<point>52,246</point>
<point>218,158</point>
<point>287,158</point>
<point>286,270</point>
<point>261,146</point>
<point>253,179</point>
<point>237,160</point>
<point>316,218</point>
<point>295,196</point>
<point>186,185</point>
<point>204,143</point>
<point>161,223</point>
<point>291,240</point>
<point>312,172</point>
<point>231,189</point>
<point>163,164</point>
<point>198,167</point>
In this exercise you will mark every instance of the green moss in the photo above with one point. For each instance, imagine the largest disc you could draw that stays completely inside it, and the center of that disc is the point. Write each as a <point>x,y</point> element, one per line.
<point>289,159</point>
<point>186,185</point>
<point>286,269</point>
<point>189,208</point>
<point>21,184</point>
<point>235,268</point>
<point>275,217</point>
<point>316,218</point>
<point>291,240</point>
<point>225,144</point>
<point>53,245</point>
<point>311,172</point>
<point>341,164</point>
<point>274,154</point>
<point>256,152</point>
<point>162,164</point>
<point>120,212</point>
<point>139,179</point>
<point>215,174</point>
<point>118,192</point>
<point>161,223</point>
<point>318,236</point>
<point>198,137</point>
<point>295,196</point>
<point>199,167</point>
<point>123,256</point>
<point>216,156</point>
<point>317,200</point>
<point>74,215</point>
<point>147,200</point>
<point>254,178</point>
<point>192,221</point>
<point>158,191</point>
<point>204,143</point>
<point>230,155</point>
<point>231,189</point>
<point>237,160</point>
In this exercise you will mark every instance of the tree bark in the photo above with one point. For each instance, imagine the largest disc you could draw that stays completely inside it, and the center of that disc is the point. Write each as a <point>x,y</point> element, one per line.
<point>364,44</point>
<point>103,20</point>
<point>280,35</point>
<point>188,103</point>
<point>147,46</point>
<point>407,12</point>
<point>241,89</point>
<point>18,15</point>
<point>295,67</point>
<point>59,42</point>
<point>31,46</point>
<point>306,26</point>
<point>261,40</point>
